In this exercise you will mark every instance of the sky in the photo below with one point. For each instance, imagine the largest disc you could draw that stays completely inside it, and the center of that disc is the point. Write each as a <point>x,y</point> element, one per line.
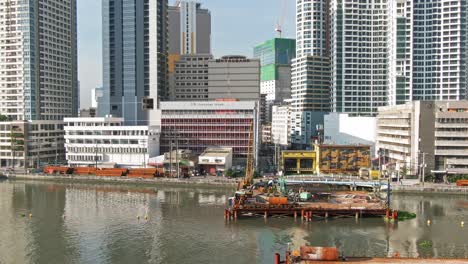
<point>237,26</point>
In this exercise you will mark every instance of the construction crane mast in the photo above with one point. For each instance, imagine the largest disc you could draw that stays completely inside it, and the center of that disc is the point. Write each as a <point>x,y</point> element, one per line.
<point>280,22</point>
<point>249,170</point>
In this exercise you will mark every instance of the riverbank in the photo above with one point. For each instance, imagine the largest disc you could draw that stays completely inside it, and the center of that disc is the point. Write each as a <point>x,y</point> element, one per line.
<point>220,182</point>
<point>429,188</point>
<point>194,181</point>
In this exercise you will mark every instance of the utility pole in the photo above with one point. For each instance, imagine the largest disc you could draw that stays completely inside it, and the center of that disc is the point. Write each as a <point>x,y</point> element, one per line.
<point>177,155</point>
<point>56,152</point>
<point>95,155</point>
<point>170,154</point>
<point>423,167</point>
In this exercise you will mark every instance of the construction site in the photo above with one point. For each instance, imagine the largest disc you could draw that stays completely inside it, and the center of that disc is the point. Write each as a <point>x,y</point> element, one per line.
<point>313,197</point>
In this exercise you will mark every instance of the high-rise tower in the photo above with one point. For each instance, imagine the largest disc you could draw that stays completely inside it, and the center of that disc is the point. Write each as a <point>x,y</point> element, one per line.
<point>310,75</point>
<point>359,55</point>
<point>134,57</point>
<point>38,79</point>
<point>38,62</point>
<point>427,50</point>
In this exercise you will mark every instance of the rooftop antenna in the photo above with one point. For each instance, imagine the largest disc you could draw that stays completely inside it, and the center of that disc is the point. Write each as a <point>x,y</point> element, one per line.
<point>280,22</point>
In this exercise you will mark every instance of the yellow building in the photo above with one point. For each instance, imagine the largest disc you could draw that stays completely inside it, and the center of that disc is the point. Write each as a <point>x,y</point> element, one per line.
<point>298,161</point>
<point>326,159</point>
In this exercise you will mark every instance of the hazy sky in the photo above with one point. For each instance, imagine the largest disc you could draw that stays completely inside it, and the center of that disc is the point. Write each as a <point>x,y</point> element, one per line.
<point>237,26</point>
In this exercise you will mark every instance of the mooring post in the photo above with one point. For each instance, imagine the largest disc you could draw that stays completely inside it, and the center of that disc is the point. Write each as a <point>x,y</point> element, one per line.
<point>277,258</point>
<point>356,215</point>
<point>295,215</point>
<point>326,214</point>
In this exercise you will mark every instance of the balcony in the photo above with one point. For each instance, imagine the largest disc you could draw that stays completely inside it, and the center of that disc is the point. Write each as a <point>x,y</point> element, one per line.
<point>403,141</point>
<point>393,132</point>
<point>452,143</point>
<point>451,152</point>
<point>462,134</point>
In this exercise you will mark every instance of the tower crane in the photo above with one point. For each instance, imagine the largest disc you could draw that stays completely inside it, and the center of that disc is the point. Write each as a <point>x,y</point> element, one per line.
<point>280,22</point>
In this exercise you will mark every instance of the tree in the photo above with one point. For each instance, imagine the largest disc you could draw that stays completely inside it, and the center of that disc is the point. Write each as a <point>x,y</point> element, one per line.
<point>4,118</point>
<point>229,173</point>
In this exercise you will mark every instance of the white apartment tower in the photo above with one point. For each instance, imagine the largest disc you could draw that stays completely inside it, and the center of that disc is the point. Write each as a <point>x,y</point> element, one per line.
<point>310,74</point>
<point>38,79</point>
<point>359,55</point>
<point>38,72</point>
<point>427,50</point>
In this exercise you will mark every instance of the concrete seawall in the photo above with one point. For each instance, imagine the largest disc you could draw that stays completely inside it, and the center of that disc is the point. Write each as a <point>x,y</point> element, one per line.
<point>194,181</point>
<point>430,188</point>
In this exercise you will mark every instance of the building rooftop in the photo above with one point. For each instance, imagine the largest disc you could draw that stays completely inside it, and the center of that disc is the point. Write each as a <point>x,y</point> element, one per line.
<point>216,152</point>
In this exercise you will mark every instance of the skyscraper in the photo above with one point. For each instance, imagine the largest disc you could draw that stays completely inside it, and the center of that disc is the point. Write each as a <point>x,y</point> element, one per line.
<point>189,28</point>
<point>310,87</point>
<point>275,56</point>
<point>359,55</point>
<point>38,62</point>
<point>134,57</point>
<point>38,78</point>
<point>427,50</point>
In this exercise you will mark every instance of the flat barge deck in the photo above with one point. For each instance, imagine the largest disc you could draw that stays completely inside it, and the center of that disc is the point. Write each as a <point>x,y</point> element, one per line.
<point>355,205</point>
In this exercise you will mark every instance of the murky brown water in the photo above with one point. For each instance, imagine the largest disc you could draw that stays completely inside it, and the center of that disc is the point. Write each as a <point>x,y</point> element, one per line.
<point>84,223</point>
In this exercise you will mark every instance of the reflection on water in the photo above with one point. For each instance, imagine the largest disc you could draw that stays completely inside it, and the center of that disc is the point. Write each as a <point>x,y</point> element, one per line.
<point>83,223</point>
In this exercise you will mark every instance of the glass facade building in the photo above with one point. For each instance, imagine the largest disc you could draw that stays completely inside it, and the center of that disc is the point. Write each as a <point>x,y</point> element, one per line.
<point>134,57</point>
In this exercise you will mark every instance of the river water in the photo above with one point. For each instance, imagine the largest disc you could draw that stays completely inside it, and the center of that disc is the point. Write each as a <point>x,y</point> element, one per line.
<point>85,223</point>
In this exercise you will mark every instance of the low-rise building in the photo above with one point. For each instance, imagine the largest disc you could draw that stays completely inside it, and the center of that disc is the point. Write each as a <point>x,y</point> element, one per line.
<point>215,161</point>
<point>31,144</point>
<point>328,159</point>
<point>179,163</point>
<point>198,125</point>
<point>429,135</point>
<point>106,141</point>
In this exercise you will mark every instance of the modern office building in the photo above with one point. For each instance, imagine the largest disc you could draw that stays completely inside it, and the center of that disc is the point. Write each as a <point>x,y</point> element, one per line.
<point>429,134</point>
<point>275,61</point>
<point>106,141</point>
<point>190,78</point>
<point>358,34</point>
<point>38,77</point>
<point>198,125</point>
<point>234,77</point>
<point>427,50</point>
<point>134,57</point>
<point>189,28</point>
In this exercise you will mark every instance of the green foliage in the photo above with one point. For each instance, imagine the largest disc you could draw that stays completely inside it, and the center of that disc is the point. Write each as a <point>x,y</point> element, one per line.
<point>455,178</point>
<point>229,173</point>
<point>403,215</point>
<point>429,177</point>
<point>425,244</point>
<point>4,118</point>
